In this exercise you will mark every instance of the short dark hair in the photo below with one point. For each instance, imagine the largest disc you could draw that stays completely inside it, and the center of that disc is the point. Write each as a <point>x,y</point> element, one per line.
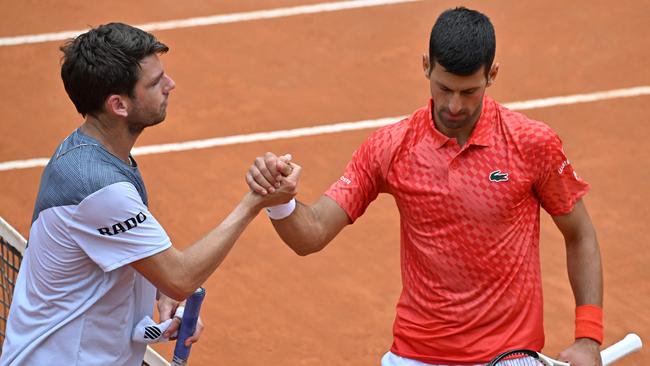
<point>105,61</point>
<point>462,40</point>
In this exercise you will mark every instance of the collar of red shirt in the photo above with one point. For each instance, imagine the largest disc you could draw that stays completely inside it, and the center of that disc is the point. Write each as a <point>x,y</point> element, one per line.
<point>482,134</point>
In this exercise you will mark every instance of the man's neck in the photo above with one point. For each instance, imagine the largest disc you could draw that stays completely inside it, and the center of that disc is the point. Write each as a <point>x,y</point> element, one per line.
<point>461,134</point>
<point>114,135</point>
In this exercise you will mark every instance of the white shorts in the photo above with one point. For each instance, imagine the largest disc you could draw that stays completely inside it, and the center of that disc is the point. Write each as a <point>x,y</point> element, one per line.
<point>391,359</point>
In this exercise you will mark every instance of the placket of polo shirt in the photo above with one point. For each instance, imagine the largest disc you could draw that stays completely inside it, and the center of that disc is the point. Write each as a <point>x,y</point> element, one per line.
<point>455,152</point>
<point>480,137</point>
<point>457,166</point>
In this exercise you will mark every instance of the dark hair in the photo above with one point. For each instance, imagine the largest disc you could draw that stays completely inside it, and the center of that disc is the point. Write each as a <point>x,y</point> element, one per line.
<point>462,40</point>
<point>104,61</point>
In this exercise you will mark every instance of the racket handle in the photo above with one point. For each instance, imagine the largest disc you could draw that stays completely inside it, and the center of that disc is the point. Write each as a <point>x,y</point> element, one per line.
<point>188,326</point>
<point>631,343</point>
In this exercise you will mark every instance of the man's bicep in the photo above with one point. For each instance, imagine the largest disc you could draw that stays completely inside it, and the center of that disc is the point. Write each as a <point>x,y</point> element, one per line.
<point>331,216</point>
<point>575,224</point>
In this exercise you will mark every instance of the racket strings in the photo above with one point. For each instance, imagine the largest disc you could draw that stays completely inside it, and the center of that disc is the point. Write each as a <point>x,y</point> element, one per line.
<point>523,358</point>
<point>521,361</point>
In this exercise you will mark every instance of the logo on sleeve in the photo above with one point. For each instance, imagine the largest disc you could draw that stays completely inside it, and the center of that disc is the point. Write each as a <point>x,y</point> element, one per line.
<point>123,226</point>
<point>564,164</point>
<point>497,176</point>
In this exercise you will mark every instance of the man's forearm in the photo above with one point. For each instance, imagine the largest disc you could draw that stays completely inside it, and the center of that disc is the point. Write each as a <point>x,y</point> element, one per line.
<point>585,270</point>
<point>585,274</point>
<point>202,258</point>
<point>178,273</point>
<point>301,230</point>
<point>310,228</point>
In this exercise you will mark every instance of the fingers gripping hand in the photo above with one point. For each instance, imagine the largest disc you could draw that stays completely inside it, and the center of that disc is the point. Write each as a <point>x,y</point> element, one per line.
<point>265,175</point>
<point>283,166</point>
<point>261,178</point>
<point>282,194</point>
<point>289,183</point>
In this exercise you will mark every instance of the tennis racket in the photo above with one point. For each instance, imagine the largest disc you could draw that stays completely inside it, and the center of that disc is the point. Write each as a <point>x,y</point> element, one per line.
<point>188,326</point>
<point>525,357</point>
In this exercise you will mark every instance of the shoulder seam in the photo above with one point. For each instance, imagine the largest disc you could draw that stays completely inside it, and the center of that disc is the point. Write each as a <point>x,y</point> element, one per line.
<point>61,153</point>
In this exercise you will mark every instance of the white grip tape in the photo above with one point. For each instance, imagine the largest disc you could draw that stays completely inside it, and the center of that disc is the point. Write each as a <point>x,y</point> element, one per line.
<point>631,343</point>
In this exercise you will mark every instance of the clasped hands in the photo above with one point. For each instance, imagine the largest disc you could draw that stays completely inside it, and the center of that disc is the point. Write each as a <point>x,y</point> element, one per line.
<point>274,178</point>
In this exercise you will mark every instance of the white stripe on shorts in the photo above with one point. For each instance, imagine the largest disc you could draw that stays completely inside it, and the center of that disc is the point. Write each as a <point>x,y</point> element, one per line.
<point>391,359</point>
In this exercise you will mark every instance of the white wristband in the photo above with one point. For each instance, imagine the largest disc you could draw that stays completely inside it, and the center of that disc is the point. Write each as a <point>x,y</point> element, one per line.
<point>279,212</point>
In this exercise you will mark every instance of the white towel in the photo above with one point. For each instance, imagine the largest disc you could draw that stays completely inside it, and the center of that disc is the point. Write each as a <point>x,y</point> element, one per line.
<point>148,331</point>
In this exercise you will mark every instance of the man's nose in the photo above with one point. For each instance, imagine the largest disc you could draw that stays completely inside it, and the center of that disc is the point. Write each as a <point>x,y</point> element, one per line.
<point>455,104</point>
<point>170,83</point>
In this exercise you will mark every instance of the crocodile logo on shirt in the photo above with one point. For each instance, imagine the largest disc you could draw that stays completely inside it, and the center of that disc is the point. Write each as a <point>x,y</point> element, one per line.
<point>497,176</point>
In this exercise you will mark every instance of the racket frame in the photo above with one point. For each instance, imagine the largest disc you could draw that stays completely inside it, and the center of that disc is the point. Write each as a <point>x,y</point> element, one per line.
<point>629,344</point>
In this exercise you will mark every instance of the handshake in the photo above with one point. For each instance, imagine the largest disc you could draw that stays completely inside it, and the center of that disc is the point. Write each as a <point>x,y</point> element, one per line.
<point>273,180</point>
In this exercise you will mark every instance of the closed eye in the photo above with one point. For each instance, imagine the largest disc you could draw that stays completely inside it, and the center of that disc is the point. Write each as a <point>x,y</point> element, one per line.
<point>157,79</point>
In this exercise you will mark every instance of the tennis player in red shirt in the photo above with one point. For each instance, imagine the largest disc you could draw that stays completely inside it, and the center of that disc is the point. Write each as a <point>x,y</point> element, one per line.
<point>469,177</point>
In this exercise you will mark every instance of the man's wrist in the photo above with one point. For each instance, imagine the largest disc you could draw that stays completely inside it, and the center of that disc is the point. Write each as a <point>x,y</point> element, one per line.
<point>282,211</point>
<point>589,323</point>
<point>588,341</point>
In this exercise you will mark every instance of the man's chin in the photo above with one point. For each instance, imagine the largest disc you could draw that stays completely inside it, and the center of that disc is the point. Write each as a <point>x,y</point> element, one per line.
<point>139,127</point>
<point>453,124</point>
<point>156,122</point>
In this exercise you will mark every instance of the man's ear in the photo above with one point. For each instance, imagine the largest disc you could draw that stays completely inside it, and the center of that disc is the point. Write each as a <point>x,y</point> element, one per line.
<point>426,66</point>
<point>117,105</point>
<point>492,75</point>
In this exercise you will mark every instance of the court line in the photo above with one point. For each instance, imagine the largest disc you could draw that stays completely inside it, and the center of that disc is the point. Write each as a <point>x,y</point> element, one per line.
<point>213,20</point>
<point>338,127</point>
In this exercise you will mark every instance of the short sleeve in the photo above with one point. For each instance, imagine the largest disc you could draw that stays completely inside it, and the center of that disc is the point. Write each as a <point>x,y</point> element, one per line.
<point>558,186</point>
<point>114,227</point>
<point>363,178</point>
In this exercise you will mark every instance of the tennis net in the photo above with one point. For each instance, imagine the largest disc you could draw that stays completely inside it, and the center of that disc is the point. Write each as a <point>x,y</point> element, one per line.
<point>12,246</point>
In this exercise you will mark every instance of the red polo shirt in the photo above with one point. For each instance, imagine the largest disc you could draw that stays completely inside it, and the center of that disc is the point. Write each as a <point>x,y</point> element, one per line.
<point>469,228</point>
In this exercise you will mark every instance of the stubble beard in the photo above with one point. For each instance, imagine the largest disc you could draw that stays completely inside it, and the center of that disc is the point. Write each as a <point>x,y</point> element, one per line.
<point>454,125</point>
<point>137,125</point>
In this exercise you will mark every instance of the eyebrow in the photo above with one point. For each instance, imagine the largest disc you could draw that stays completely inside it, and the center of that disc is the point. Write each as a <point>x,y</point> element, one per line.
<point>448,88</point>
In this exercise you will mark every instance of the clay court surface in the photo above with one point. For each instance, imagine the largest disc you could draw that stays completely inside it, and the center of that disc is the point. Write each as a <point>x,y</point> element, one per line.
<point>267,306</point>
